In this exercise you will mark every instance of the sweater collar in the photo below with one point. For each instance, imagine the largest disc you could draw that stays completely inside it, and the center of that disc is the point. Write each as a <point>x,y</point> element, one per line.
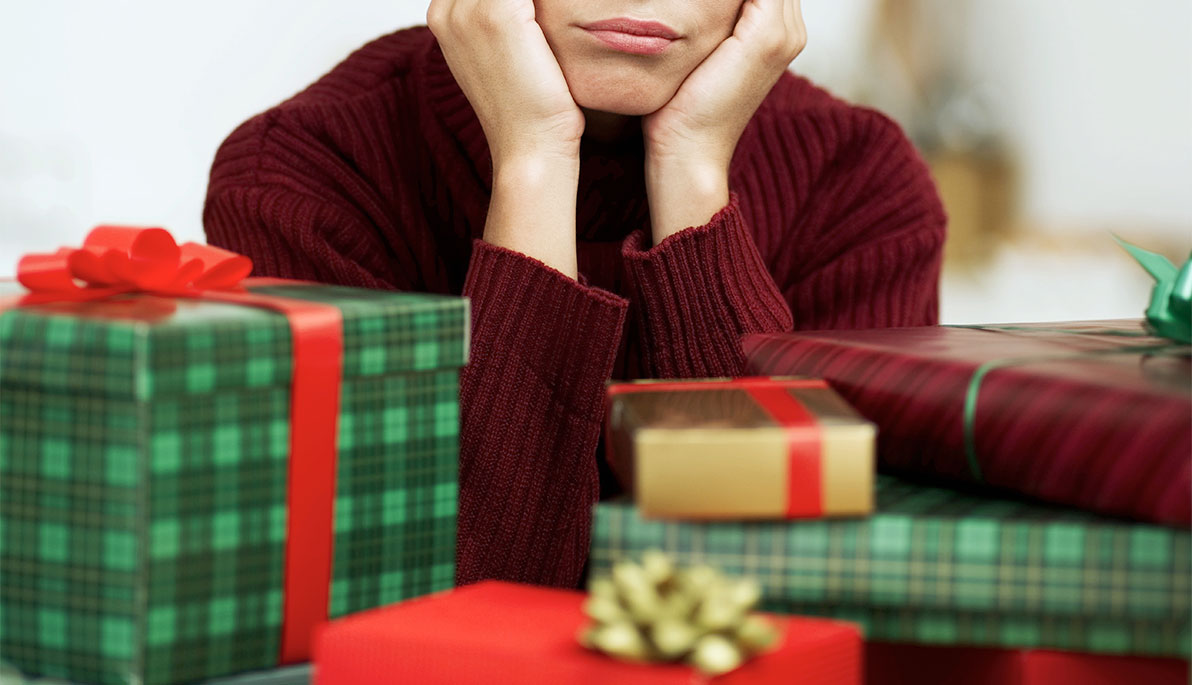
<point>453,110</point>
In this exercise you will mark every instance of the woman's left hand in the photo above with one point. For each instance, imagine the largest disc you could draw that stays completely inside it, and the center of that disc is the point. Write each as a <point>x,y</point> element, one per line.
<point>691,140</point>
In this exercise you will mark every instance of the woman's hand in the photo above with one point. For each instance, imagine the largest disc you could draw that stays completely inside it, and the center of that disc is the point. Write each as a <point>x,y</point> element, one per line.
<point>691,140</point>
<point>502,62</point>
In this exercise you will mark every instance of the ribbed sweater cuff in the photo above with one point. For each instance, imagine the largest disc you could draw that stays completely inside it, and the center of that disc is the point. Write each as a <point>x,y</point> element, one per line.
<point>699,291</point>
<point>531,317</point>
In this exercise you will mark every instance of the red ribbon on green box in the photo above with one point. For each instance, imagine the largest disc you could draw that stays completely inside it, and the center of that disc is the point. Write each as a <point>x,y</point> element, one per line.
<point>119,260</point>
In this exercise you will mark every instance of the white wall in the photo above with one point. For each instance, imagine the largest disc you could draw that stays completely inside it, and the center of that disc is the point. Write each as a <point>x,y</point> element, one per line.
<point>1095,98</point>
<point>1097,95</point>
<point>112,111</point>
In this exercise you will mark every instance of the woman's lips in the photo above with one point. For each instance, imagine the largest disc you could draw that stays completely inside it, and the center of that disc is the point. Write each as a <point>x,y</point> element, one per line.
<point>633,36</point>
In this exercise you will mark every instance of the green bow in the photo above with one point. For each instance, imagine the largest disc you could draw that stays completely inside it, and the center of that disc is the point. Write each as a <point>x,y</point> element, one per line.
<point>1170,312</point>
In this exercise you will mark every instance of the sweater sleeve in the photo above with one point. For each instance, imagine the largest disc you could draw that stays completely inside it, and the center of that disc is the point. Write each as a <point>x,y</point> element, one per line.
<point>697,293</point>
<point>542,347</point>
<point>863,251</point>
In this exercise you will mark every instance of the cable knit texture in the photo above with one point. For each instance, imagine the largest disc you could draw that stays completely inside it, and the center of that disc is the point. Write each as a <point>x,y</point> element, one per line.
<point>378,176</point>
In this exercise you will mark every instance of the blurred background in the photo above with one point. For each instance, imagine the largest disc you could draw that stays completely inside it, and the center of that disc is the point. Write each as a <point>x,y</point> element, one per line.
<point>1048,125</point>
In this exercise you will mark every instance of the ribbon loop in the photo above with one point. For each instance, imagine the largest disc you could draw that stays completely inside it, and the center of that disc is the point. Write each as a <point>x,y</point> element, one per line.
<point>1169,314</point>
<point>46,272</point>
<point>126,259</point>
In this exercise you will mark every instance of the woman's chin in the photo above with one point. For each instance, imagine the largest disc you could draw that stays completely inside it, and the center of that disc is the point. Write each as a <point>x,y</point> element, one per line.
<point>619,99</point>
<point>617,106</point>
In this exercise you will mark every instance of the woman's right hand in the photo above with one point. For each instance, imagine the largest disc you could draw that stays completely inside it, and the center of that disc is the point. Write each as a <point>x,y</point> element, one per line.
<point>502,62</point>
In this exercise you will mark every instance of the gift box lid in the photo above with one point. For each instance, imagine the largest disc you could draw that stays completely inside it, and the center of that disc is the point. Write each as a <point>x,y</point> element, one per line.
<point>725,404</point>
<point>140,347</point>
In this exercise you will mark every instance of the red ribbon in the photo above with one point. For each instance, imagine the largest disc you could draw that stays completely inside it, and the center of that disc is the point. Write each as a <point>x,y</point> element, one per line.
<point>804,441</point>
<point>116,260</point>
<point>122,259</point>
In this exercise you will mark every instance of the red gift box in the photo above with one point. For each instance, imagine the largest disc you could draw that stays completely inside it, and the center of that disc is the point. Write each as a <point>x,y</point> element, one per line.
<point>1096,415</point>
<point>495,632</point>
<point>898,664</point>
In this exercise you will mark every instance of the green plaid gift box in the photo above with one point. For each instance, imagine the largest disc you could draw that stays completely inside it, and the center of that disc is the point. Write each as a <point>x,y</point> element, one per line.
<point>143,476</point>
<point>943,567</point>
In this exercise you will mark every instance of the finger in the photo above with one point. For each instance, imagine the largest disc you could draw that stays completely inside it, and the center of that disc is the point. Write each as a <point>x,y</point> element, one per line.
<point>793,17</point>
<point>771,35</point>
<point>796,29</point>
<point>436,14</point>
<point>756,16</point>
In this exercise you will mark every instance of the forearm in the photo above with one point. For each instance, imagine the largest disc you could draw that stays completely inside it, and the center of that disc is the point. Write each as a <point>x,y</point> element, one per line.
<point>532,210</point>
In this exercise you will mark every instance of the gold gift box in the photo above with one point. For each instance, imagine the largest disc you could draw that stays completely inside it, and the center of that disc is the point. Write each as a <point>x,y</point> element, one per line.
<point>745,448</point>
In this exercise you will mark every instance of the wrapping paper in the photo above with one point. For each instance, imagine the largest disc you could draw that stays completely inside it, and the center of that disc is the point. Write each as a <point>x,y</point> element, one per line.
<point>144,468</point>
<point>942,567</point>
<point>1058,412</point>
<point>495,632</point>
<point>897,664</point>
<point>740,448</point>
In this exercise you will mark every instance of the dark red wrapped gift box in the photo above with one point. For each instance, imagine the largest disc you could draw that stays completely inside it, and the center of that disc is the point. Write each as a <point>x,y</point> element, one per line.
<point>495,632</point>
<point>899,664</point>
<point>1062,414</point>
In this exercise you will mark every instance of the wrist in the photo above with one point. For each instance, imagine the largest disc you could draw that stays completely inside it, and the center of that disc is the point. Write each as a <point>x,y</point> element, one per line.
<point>532,208</point>
<point>546,170</point>
<point>690,175</point>
<point>530,155</point>
<point>684,194</point>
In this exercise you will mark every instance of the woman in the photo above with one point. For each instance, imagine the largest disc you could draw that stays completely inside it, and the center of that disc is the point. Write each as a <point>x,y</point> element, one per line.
<point>623,188</point>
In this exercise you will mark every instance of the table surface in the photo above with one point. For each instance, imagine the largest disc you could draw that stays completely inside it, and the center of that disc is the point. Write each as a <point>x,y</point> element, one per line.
<point>298,674</point>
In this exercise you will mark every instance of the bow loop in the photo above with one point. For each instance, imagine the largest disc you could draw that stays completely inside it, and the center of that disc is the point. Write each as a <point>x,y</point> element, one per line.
<point>221,269</point>
<point>125,259</point>
<point>46,272</point>
<point>1169,314</point>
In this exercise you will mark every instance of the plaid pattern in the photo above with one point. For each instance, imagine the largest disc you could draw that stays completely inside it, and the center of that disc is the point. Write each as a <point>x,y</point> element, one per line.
<point>143,541</point>
<point>938,566</point>
<point>207,347</point>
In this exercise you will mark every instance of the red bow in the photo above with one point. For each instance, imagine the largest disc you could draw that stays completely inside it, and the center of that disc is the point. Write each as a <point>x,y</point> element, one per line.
<point>121,259</point>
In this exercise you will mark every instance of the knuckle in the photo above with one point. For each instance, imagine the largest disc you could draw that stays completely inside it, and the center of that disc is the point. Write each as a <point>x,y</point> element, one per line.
<point>435,16</point>
<point>795,45</point>
<point>773,50</point>
<point>484,21</point>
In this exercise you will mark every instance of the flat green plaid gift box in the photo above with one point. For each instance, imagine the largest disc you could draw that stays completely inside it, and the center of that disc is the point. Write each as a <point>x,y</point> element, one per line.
<point>943,567</point>
<point>144,446</point>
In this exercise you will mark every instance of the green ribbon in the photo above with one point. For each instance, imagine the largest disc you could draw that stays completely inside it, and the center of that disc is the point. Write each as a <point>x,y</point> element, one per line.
<point>974,386</point>
<point>1169,314</point>
<point>1039,329</point>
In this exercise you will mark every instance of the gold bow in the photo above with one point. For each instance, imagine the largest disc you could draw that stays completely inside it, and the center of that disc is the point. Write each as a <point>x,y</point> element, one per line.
<point>653,612</point>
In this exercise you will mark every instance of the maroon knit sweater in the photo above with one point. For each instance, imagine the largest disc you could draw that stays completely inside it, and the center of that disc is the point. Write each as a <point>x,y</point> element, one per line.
<point>378,175</point>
